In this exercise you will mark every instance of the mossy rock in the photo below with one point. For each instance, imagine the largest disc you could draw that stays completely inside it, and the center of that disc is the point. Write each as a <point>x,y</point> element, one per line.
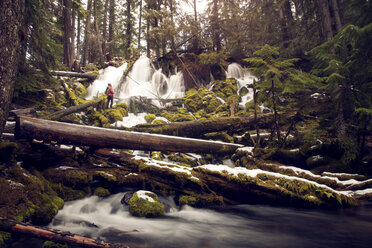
<point>46,211</point>
<point>122,107</point>
<point>222,136</point>
<point>157,156</point>
<point>182,158</point>
<point>201,99</point>
<point>98,119</point>
<point>158,122</point>
<point>113,115</point>
<point>188,200</point>
<point>150,117</point>
<point>101,192</point>
<point>145,204</point>
<point>225,89</point>
<point>181,115</point>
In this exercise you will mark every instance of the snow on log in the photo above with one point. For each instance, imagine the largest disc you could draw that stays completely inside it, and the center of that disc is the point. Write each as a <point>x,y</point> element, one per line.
<point>73,74</point>
<point>66,133</point>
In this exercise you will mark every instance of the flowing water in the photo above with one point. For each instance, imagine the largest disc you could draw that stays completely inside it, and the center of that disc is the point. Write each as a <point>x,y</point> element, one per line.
<point>231,226</point>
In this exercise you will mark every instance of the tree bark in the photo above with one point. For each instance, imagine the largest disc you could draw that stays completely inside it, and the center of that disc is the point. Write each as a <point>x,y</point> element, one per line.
<point>86,34</point>
<point>337,15</point>
<point>128,30</point>
<point>199,127</point>
<point>65,133</point>
<point>54,235</point>
<point>139,28</point>
<point>98,38</point>
<point>11,17</point>
<point>323,8</point>
<point>111,25</point>
<point>67,33</point>
<point>104,33</point>
<point>59,114</point>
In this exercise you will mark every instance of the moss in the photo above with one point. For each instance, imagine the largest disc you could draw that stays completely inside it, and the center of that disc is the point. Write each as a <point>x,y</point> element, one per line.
<point>158,122</point>
<point>8,151</point>
<point>46,211</point>
<point>113,115</point>
<point>101,192</point>
<point>122,107</point>
<point>143,207</point>
<point>222,136</point>
<point>187,200</point>
<point>226,89</point>
<point>98,119</point>
<point>51,244</point>
<point>157,155</point>
<point>181,115</point>
<point>4,238</point>
<point>67,193</point>
<point>201,99</point>
<point>150,117</point>
<point>182,158</point>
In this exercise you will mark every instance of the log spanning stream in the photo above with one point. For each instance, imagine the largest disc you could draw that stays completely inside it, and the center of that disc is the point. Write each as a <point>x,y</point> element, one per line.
<point>233,226</point>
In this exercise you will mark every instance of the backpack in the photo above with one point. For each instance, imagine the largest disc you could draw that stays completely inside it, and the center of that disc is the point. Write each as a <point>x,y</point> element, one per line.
<point>107,91</point>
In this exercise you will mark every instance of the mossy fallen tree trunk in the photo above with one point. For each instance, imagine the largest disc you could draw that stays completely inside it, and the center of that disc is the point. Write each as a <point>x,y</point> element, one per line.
<point>59,114</point>
<point>73,74</point>
<point>53,235</point>
<point>66,133</point>
<point>199,127</point>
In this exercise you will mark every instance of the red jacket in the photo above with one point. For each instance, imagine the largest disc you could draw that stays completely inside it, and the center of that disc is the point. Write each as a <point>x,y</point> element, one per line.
<point>110,91</point>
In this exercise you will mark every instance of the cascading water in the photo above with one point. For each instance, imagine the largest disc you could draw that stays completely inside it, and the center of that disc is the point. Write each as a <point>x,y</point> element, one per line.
<point>108,75</point>
<point>232,226</point>
<point>145,81</point>
<point>244,80</point>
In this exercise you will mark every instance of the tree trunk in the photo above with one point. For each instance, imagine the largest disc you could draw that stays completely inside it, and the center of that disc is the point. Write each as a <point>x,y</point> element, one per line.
<point>11,18</point>
<point>65,133</point>
<point>73,32</point>
<point>215,27</point>
<point>78,36</point>
<point>59,114</point>
<point>139,29</point>
<point>111,25</point>
<point>104,33</point>
<point>286,21</point>
<point>53,235</point>
<point>128,30</point>
<point>323,8</point>
<point>337,15</point>
<point>98,38</point>
<point>86,34</point>
<point>200,127</point>
<point>67,4</point>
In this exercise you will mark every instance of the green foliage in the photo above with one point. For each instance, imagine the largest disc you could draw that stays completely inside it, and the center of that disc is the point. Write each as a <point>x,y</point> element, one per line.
<point>346,66</point>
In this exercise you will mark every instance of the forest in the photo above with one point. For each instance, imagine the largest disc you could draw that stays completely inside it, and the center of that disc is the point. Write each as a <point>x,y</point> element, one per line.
<point>299,134</point>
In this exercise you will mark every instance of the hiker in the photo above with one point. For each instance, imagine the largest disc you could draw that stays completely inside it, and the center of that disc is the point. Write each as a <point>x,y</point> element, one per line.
<point>110,95</point>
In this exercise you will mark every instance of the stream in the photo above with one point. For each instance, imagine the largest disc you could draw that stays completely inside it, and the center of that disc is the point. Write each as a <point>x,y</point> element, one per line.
<point>229,226</point>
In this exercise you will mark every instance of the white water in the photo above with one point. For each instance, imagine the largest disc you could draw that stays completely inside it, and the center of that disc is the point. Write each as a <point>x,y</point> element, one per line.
<point>235,226</point>
<point>108,75</point>
<point>143,80</point>
<point>244,78</point>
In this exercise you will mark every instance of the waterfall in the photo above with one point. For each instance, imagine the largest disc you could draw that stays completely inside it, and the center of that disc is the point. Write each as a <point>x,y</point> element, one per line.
<point>108,75</point>
<point>144,80</point>
<point>244,80</point>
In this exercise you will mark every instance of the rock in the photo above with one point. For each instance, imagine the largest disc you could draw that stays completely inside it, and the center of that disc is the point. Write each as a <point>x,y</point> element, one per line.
<point>126,197</point>
<point>145,204</point>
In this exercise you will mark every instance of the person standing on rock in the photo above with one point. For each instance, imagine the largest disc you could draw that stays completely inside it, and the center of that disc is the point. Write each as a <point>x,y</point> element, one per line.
<point>110,95</point>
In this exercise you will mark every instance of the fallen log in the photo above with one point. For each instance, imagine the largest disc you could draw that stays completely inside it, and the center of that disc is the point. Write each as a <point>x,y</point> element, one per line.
<point>66,133</point>
<point>73,74</point>
<point>59,114</point>
<point>54,235</point>
<point>199,127</point>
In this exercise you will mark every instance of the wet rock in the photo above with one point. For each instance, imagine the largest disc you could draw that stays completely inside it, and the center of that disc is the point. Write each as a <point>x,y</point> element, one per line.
<point>145,204</point>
